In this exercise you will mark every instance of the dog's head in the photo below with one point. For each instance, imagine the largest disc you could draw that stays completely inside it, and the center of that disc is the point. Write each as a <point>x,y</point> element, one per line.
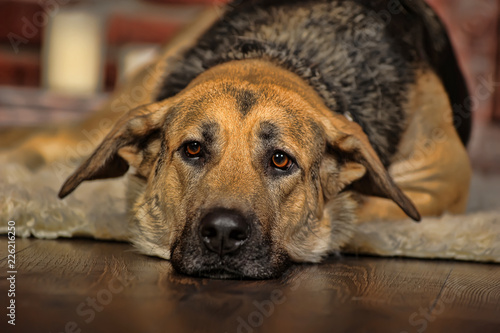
<point>241,173</point>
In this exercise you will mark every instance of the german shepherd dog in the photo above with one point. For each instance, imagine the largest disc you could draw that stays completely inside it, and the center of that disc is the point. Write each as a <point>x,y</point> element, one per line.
<point>280,124</point>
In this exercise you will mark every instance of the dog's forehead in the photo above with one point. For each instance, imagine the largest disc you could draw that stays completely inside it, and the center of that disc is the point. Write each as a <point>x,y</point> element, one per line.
<point>237,107</point>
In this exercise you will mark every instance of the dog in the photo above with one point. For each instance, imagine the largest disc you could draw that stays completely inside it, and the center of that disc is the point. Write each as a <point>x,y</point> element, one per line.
<point>276,126</point>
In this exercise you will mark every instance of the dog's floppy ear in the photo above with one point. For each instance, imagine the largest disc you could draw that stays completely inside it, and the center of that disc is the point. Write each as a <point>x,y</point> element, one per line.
<point>360,167</point>
<point>127,144</point>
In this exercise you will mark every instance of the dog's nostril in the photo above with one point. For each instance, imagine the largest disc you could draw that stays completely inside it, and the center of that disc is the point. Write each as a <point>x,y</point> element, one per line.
<point>223,231</point>
<point>238,235</point>
<point>208,232</point>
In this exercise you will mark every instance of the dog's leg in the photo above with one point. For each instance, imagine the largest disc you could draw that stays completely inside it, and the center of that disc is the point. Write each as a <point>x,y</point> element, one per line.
<point>431,167</point>
<point>430,188</point>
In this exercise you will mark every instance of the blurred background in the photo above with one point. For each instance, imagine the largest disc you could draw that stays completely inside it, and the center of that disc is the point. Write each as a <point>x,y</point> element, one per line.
<point>59,59</point>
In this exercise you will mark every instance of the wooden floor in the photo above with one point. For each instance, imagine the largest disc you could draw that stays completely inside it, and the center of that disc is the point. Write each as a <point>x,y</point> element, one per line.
<point>91,286</point>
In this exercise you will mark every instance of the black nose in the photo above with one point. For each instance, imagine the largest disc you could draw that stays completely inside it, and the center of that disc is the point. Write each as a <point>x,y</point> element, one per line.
<point>224,231</point>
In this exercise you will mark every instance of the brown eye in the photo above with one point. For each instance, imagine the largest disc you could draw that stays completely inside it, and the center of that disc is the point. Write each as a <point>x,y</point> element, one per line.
<point>281,160</point>
<point>193,149</point>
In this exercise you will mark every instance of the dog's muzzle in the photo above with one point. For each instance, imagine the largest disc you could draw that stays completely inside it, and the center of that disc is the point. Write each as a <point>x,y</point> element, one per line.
<point>227,243</point>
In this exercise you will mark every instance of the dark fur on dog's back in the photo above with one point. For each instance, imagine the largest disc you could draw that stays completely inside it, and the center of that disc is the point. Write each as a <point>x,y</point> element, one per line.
<point>345,49</point>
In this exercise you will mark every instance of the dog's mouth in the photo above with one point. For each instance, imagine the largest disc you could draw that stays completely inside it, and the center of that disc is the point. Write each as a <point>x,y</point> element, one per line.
<point>232,268</point>
<point>242,270</point>
<point>222,273</point>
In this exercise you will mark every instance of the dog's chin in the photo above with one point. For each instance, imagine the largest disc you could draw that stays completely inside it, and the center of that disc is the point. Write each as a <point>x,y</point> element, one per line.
<point>229,267</point>
<point>221,274</point>
<point>223,271</point>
